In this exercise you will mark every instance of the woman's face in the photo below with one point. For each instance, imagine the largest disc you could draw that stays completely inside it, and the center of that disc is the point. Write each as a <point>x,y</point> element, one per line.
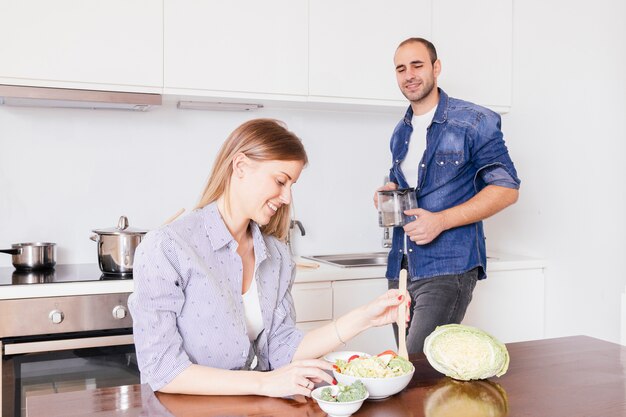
<point>266,186</point>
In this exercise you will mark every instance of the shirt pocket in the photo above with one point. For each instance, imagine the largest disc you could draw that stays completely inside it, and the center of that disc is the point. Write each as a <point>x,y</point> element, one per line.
<point>447,166</point>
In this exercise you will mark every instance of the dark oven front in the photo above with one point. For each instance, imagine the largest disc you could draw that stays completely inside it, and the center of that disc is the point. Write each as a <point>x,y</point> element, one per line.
<point>96,351</point>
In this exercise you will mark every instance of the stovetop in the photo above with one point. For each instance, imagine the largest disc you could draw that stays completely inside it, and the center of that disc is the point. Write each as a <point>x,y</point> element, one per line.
<point>60,274</point>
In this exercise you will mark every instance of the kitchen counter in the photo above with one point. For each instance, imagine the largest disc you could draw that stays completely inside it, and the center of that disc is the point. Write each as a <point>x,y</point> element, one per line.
<point>495,262</point>
<point>92,281</point>
<point>575,376</point>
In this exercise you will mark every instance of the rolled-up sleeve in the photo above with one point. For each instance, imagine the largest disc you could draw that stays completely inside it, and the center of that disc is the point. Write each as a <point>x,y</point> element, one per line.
<point>284,337</point>
<point>155,304</point>
<point>491,156</point>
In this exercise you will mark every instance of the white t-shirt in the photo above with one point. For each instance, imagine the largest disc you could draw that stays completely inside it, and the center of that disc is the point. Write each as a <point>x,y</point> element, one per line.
<point>252,309</point>
<point>417,146</point>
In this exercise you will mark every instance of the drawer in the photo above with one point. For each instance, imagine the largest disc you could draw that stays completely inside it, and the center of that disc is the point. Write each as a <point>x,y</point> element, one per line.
<point>313,301</point>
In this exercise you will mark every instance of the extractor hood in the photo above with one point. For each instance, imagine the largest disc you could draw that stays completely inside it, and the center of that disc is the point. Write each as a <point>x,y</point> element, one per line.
<point>24,96</point>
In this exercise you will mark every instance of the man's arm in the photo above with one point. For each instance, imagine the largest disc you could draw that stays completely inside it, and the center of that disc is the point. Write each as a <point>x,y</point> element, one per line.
<point>428,225</point>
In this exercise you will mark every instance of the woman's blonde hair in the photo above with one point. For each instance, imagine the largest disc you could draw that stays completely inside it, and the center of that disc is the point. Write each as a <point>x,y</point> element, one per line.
<point>259,140</point>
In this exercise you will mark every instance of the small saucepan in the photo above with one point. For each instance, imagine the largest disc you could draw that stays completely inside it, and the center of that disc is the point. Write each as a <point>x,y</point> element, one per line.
<point>32,255</point>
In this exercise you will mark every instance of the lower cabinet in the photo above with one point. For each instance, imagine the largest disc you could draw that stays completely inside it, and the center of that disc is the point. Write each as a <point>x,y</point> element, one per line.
<point>509,304</point>
<point>319,303</point>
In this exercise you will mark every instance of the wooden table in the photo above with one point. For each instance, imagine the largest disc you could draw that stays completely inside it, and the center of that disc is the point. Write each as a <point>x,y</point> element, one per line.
<point>563,377</point>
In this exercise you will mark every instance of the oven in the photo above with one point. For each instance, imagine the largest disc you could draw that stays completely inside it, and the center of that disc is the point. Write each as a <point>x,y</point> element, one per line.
<point>64,343</point>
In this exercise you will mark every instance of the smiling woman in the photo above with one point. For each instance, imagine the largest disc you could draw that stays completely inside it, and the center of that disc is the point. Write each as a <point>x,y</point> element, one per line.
<point>212,305</point>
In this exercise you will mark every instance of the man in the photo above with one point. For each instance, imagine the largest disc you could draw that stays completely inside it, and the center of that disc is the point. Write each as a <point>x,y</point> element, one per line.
<point>453,153</point>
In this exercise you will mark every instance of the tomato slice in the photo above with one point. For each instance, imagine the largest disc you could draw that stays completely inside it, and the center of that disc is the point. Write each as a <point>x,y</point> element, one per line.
<point>388,352</point>
<point>336,368</point>
<point>353,357</point>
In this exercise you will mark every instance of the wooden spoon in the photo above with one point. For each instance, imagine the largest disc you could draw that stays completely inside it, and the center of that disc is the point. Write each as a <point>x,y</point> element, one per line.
<point>402,352</point>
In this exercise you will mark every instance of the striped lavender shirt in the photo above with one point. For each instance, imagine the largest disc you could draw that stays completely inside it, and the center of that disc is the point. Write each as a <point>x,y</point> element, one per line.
<point>187,305</point>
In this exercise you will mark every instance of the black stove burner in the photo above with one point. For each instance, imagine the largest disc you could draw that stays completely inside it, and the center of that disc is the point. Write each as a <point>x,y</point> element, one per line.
<point>108,276</point>
<point>61,273</point>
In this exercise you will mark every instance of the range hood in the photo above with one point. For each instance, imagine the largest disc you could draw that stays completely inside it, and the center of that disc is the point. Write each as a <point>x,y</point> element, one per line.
<point>23,96</point>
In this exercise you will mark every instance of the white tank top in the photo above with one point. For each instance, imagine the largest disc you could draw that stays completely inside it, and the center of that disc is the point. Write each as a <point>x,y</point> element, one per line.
<point>252,309</point>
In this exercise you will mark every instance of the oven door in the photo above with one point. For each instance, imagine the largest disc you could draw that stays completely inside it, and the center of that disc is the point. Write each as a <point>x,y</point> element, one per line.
<point>78,362</point>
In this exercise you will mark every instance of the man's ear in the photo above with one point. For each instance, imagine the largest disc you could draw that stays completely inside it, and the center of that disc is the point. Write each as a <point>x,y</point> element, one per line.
<point>437,68</point>
<point>240,164</point>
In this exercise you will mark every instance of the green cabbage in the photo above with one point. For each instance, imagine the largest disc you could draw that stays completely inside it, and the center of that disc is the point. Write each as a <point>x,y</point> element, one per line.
<point>465,353</point>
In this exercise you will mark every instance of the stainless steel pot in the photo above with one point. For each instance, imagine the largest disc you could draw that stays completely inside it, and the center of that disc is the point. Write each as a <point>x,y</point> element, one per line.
<point>32,255</point>
<point>116,247</point>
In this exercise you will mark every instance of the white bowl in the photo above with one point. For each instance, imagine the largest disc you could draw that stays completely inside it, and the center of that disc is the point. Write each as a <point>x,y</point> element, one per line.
<point>378,388</point>
<point>344,355</point>
<point>336,409</point>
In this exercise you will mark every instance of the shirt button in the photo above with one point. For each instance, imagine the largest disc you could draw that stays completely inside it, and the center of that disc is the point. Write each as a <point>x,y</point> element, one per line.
<point>423,165</point>
<point>441,163</point>
<point>456,162</point>
<point>410,250</point>
<point>397,160</point>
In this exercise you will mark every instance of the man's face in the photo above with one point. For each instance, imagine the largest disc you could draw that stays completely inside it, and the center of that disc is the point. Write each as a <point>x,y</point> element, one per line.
<point>416,75</point>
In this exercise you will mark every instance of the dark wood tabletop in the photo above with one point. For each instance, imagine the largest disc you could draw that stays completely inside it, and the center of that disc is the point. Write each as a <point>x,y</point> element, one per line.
<point>575,376</point>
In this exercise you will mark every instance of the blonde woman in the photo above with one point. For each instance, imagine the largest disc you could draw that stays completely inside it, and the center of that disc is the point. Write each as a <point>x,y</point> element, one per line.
<point>212,309</point>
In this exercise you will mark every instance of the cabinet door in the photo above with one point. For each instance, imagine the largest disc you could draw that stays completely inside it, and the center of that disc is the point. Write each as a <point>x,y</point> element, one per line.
<point>313,301</point>
<point>352,44</point>
<point>509,305</point>
<point>474,40</point>
<point>109,45</point>
<point>348,295</point>
<point>244,46</point>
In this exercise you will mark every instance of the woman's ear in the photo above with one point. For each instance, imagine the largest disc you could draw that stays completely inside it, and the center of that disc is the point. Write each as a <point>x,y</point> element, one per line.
<point>240,164</point>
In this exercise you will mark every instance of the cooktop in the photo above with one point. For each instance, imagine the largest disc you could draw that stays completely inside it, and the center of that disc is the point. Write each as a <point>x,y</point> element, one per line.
<point>59,274</point>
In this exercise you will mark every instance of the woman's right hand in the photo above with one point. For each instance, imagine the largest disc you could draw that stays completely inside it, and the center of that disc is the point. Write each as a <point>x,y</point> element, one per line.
<point>298,377</point>
<point>387,187</point>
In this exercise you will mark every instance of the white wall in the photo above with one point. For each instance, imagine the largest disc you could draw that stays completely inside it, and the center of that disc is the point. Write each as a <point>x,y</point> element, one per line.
<point>566,132</point>
<point>64,172</point>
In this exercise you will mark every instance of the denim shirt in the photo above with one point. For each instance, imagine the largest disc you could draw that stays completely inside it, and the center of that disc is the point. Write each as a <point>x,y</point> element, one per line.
<point>465,152</point>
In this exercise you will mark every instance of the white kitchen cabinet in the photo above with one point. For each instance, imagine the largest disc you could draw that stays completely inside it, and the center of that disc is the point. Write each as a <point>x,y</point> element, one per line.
<point>313,301</point>
<point>474,40</point>
<point>350,294</point>
<point>236,49</point>
<point>509,305</point>
<point>352,44</point>
<point>89,44</point>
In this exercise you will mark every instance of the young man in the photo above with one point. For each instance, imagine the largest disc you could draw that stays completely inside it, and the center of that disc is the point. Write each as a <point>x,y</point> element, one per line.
<point>453,153</point>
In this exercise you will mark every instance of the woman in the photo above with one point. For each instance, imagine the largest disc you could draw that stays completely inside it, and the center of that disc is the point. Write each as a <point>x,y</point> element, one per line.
<point>212,290</point>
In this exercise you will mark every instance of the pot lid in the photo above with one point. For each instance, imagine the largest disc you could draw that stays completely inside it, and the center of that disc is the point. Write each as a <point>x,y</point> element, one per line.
<point>122,228</point>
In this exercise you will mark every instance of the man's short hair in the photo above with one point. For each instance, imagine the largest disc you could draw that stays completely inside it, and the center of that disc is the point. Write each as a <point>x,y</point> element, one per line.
<point>432,52</point>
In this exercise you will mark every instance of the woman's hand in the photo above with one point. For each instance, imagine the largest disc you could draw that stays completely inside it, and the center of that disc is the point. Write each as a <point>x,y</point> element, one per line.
<point>298,377</point>
<point>384,309</point>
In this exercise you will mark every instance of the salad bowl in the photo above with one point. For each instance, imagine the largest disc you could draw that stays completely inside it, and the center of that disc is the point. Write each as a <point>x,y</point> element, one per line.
<point>383,375</point>
<point>336,409</point>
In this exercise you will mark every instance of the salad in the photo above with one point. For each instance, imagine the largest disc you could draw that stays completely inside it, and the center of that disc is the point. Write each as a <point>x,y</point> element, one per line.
<point>346,393</point>
<point>384,365</point>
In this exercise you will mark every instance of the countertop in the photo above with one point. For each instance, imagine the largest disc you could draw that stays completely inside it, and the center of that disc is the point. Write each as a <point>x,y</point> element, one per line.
<point>576,376</point>
<point>97,283</point>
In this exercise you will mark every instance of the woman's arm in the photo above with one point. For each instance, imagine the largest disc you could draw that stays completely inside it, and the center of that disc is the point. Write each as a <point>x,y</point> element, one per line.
<point>294,378</point>
<point>383,310</point>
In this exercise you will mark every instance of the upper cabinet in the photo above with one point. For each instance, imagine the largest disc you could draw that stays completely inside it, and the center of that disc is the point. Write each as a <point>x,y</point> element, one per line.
<point>352,43</point>
<point>87,44</point>
<point>286,50</point>
<point>236,49</point>
<point>474,41</point>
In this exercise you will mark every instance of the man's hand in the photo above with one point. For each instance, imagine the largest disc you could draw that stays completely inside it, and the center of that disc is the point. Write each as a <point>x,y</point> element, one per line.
<point>387,187</point>
<point>426,226</point>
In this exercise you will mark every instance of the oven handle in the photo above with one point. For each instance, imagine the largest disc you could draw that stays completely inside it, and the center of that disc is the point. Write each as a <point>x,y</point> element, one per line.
<point>67,344</point>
